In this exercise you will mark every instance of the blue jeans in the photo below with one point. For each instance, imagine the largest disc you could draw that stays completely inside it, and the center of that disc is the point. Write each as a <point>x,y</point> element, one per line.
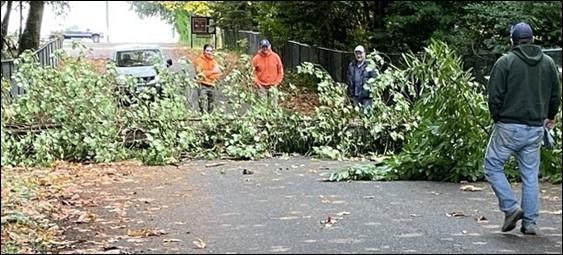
<point>524,142</point>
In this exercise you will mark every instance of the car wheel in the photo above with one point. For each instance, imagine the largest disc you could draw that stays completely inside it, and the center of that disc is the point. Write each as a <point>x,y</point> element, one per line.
<point>96,38</point>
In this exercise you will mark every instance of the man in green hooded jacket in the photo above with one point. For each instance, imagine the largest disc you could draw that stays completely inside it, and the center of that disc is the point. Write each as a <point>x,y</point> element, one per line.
<point>524,96</point>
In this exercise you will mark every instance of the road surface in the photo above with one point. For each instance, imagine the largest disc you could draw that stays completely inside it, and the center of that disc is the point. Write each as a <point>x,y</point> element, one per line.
<point>284,206</point>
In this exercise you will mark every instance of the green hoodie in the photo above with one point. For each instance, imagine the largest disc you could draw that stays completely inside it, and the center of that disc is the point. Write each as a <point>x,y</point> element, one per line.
<point>524,87</point>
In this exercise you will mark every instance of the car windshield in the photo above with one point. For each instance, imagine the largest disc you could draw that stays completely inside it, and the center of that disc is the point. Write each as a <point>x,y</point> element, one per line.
<point>137,58</point>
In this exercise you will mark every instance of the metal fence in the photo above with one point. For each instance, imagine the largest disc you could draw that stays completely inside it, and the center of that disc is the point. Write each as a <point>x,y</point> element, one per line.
<point>293,53</point>
<point>233,39</point>
<point>44,56</point>
<point>336,62</point>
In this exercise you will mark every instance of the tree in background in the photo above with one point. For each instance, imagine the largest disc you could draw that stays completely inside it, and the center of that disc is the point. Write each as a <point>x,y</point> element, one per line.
<point>5,22</point>
<point>485,26</point>
<point>393,26</point>
<point>334,24</point>
<point>411,25</point>
<point>177,13</point>
<point>236,14</point>
<point>30,37</point>
<point>472,28</point>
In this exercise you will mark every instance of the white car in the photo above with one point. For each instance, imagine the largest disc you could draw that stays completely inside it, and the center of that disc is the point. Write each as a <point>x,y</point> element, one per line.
<point>139,62</point>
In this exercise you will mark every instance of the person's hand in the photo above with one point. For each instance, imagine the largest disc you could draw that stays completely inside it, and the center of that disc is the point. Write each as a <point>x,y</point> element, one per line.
<point>550,124</point>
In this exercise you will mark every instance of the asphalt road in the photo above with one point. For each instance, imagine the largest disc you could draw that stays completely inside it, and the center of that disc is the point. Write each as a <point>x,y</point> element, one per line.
<point>284,205</point>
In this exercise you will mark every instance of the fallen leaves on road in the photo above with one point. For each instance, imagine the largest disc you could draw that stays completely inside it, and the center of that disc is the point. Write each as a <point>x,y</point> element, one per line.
<point>171,240</point>
<point>470,188</point>
<point>481,219</point>
<point>552,212</point>
<point>199,244</point>
<point>41,204</point>
<point>331,220</point>
<point>85,218</point>
<point>326,200</point>
<point>289,218</point>
<point>32,200</point>
<point>246,171</point>
<point>135,240</point>
<point>554,198</point>
<point>145,200</point>
<point>328,222</point>
<point>145,232</point>
<point>455,214</point>
<point>215,164</point>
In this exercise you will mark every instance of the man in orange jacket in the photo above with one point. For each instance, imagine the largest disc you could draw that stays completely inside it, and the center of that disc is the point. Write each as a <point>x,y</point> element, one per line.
<point>268,71</point>
<point>208,72</point>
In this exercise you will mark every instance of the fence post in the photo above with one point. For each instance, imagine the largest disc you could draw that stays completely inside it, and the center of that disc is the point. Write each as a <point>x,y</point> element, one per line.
<point>50,49</point>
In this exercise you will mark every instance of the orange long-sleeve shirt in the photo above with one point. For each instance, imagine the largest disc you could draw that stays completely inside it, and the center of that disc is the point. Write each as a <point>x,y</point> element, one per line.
<point>268,69</point>
<point>209,68</point>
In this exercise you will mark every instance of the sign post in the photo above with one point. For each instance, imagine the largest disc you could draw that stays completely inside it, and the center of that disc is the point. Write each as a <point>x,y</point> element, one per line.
<point>202,26</point>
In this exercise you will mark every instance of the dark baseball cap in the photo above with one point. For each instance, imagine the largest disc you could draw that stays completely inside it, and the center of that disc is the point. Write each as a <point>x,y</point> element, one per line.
<point>521,31</point>
<point>265,43</point>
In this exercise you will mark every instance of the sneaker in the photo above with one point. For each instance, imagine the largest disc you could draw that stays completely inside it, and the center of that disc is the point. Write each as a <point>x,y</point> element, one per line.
<point>511,218</point>
<point>529,229</point>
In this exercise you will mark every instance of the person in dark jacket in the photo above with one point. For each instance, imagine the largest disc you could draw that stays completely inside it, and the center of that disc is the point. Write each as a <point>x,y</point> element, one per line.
<point>357,76</point>
<point>524,96</point>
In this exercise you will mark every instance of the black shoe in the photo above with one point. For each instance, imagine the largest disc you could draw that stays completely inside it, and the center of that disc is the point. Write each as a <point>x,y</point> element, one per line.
<point>510,220</point>
<point>529,229</point>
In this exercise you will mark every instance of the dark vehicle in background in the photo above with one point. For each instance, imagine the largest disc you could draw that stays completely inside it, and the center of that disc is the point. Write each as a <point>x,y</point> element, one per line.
<point>76,33</point>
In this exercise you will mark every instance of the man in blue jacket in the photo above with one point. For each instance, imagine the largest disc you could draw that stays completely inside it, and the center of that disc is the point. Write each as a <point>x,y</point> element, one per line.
<point>357,76</point>
<point>524,96</point>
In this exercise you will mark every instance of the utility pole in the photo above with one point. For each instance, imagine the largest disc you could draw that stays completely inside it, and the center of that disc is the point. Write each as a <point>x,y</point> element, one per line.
<point>21,20</point>
<point>107,21</point>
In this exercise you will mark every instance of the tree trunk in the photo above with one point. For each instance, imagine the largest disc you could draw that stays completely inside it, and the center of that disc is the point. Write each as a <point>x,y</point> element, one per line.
<point>366,14</point>
<point>380,17</point>
<point>32,31</point>
<point>5,22</point>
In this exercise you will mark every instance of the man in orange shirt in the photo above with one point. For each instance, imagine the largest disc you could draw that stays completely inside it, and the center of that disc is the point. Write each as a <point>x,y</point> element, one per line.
<point>268,71</point>
<point>208,72</point>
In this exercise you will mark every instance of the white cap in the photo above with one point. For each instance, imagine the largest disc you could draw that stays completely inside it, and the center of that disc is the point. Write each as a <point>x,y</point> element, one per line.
<point>359,48</point>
